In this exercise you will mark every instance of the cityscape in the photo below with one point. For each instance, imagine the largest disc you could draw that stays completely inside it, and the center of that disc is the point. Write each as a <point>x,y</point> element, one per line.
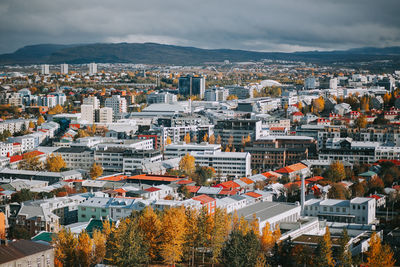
<point>160,150</point>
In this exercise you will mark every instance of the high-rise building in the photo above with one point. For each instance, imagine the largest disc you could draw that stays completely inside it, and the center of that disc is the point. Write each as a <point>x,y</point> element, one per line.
<point>92,68</point>
<point>117,103</point>
<point>45,70</point>
<point>64,68</point>
<point>93,101</point>
<point>309,83</point>
<point>87,113</point>
<point>192,85</point>
<point>106,115</point>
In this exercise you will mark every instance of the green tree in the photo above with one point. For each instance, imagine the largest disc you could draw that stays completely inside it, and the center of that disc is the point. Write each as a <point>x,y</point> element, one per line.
<point>343,254</point>
<point>21,196</point>
<point>129,248</point>
<point>241,249</point>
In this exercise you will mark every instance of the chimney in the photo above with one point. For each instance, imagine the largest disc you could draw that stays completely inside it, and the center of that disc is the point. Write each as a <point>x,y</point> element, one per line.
<point>302,196</point>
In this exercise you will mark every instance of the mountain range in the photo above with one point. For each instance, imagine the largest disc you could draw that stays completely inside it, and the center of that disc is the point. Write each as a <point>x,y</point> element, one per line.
<point>153,53</point>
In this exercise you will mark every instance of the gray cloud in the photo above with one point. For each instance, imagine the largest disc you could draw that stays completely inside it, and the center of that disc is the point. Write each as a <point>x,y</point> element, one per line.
<point>265,25</point>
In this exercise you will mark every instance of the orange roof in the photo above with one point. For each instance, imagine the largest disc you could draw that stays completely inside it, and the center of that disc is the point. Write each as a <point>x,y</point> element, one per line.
<point>115,178</point>
<point>152,189</point>
<point>268,174</point>
<point>203,199</point>
<point>120,190</point>
<point>192,188</point>
<point>292,168</point>
<point>277,128</point>
<point>253,194</point>
<point>315,178</point>
<point>185,182</point>
<point>229,184</point>
<point>246,180</point>
<point>227,191</point>
<point>150,177</point>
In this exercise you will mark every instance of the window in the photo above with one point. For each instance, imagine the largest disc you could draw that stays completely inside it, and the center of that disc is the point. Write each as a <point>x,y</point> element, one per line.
<point>103,210</point>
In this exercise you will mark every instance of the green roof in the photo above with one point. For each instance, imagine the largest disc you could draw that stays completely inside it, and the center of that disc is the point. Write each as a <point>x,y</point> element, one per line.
<point>43,236</point>
<point>95,224</point>
<point>368,174</point>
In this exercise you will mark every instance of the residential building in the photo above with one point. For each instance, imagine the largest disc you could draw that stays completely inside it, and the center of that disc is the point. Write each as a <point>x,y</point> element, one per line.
<point>92,68</point>
<point>227,164</point>
<point>117,103</point>
<point>45,69</point>
<point>64,68</point>
<point>181,149</point>
<point>26,253</point>
<point>87,114</point>
<point>238,129</point>
<point>76,157</point>
<point>192,85</point>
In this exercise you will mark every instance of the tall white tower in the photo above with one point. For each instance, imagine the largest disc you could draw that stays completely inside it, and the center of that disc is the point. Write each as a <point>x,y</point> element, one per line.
<point>45,69</point>
<point>92,68</point>
<point>64,68</point>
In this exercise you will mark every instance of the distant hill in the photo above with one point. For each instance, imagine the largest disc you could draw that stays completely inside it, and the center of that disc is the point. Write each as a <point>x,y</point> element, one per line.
<point>152,53</point>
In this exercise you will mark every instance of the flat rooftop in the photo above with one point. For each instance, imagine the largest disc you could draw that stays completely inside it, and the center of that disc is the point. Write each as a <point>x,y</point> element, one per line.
<point>265,210</point>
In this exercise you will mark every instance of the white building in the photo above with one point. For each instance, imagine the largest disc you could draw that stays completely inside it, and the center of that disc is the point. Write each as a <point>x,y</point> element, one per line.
<point>360,210</point>
<point>6,149</point>
<point>155,98</point>
<point>92,68</point>
<point>93,101</point>
<point>117,103</point>
<point>216,94</point>
<point>64,68</point>
<point>229,164</point>
<point>45,69</point>
<point>181,149</point>
<point>76,157</point>
<point>87,113</point>
<point>105,115</point>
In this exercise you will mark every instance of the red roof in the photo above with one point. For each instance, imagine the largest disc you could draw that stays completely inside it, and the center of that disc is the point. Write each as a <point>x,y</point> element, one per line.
<point>20,157</point>
<point>120,190</point>
<point>74,180</point>
<point>115,178</point>
<point>298,113</point>
<point>228,184</point>
<point>203,199</point>
<point>298,183</point>
<point>246,180</point>
<point>375,196</point>
<point>291,168</point>
<point>16,144</point>
<point>253,194</point>
<point>228,192</point>
<point>277,128</point>
<point>192,188</point>
<point>152,189</point>
<point>315,179</point>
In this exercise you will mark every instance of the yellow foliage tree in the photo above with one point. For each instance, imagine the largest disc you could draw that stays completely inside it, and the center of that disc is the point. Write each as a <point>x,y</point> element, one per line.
<point>173,235</point>
<point>54,163</point>
<point>319,104</point>
<point>187,138</point>
<point>40,120</point>
<point>218,139</point>
<point>150,224</point>
<point>168,141</point>
<point>378,255</point>
<point>254,225</point>
<point>64,243</point>
<point>84,249</point>
<point>99,244</point>
<point>56,110</point>
<point>205,137</point>
<point>30,161</point>
<point>231,97</point>
<point>212,139</point>
<point>31,125</point>
<point>187,164</point>
<point>96,171</point>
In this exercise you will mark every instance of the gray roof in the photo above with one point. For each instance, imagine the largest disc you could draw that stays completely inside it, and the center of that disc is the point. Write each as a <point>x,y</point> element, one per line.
<point>265,210</point>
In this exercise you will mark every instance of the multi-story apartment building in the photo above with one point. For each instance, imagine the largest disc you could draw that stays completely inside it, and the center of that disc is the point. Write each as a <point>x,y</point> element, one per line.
<point>133,160</point>
<point>155,98</point>
<point>238,129</point>
<point>181,149</point>
<point>192,85</point>
<point>228,164</point>
<point>64,68</point>
<point>358,210</point>
<point>93,101</point>
<point>6,149</point>
<point>117,103</point>
<point>76,157</point>
<point>15,125</point>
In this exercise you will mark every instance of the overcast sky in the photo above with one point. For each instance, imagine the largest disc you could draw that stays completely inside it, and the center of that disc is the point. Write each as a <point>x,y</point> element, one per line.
<point>263,25</point>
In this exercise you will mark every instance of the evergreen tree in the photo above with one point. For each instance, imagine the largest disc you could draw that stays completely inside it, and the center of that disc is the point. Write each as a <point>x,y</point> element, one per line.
<point>344,254</point>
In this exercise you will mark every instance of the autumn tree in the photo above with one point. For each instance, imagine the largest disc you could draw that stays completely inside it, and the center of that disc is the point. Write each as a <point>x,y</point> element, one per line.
<point>168,140</point>
<point>318,104</point>
<point>375,184</point>
<point>220,233</point>
<point>361,121</point>
<point>99,246</point>
<point>324,256</point>
<point>205,137</point>
<point>230,140</point>
<point>269,237</point>
<point>187,138</point>
<point>150,225</point>
<point>187,164</point>
<point>212,139</point>
<point>191,235</point>
<point>336,172</point>
<point>56,110</point>
<point>54,163</point>
<point>64,243</point>
<point>378,255</point>
<point>173,235</point>
<point>84,249</point>
<point>40,120</point>
<point>31,125</point>
<point>30,161</point>
<point>232,97</point>
<point>218,139</point>
<point>96,171</point>
<point>338,191</point>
